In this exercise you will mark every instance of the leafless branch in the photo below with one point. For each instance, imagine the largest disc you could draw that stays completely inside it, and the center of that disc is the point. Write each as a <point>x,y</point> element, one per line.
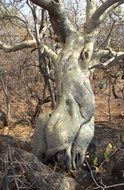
<point>108,36</point>
<point>61,24</point>
<point>27,44</point>
<point>116,57</point>
<point>100,14</point>
<point>91,172</point>
<point>102,186</point>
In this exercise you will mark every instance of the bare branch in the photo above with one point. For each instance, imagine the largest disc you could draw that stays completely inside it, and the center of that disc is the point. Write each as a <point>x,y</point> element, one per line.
<point>103,53</point>
<point>90,9</point>
<point>90,38</point>
<point>107,39</point>
<point>117,57</point>
<point>17,18</point>
<point>18,46</point>
<point>102,186</point>
<point>50,53</point>
<point>42,24</point>
<point>92,175</point>
<point>114,60</point>
<point>100,14</point>
<point>60,23</point>
<point>28,44</point>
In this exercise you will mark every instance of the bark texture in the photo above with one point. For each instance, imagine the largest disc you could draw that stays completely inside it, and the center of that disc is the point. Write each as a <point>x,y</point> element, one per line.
<point>27,171</point>
<point>70,127</point>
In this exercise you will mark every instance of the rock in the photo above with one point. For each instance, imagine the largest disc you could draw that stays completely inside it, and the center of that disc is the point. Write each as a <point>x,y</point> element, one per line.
<point>29,170</point>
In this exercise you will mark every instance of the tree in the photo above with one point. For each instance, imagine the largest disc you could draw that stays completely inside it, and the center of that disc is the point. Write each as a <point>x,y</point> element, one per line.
<point>70,127</point>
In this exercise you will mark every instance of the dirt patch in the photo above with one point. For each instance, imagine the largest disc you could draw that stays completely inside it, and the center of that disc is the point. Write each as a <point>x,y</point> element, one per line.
<point>105,110</point>
<point>104,164</point>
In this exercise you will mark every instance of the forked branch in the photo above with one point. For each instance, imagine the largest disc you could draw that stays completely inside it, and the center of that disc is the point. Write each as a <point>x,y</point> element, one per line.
<point>59,20</point>
<point>27,44</point>
<point>115,59</point>
<point>100,14</point>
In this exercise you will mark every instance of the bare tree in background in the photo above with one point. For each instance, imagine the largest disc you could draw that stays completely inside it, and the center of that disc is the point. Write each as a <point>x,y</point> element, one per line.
<point>70,127</point>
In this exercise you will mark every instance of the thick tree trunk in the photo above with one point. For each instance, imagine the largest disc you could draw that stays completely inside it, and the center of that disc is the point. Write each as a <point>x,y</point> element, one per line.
<point>71,127</point>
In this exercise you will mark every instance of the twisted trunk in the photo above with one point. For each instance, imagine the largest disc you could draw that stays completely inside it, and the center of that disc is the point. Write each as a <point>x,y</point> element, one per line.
<point>70,127</point>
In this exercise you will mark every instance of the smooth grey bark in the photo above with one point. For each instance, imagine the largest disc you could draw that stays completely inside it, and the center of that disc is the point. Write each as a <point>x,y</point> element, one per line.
<point>39,140</point>
<point>70,127</point>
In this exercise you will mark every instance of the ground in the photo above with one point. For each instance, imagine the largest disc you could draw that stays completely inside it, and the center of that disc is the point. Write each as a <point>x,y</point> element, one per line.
<point>113,117</point>
<point>105,158</point>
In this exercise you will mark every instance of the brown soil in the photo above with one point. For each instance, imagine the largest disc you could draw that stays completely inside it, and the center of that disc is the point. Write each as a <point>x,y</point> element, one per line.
<point>113,114</point>
<point>109,131</point>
